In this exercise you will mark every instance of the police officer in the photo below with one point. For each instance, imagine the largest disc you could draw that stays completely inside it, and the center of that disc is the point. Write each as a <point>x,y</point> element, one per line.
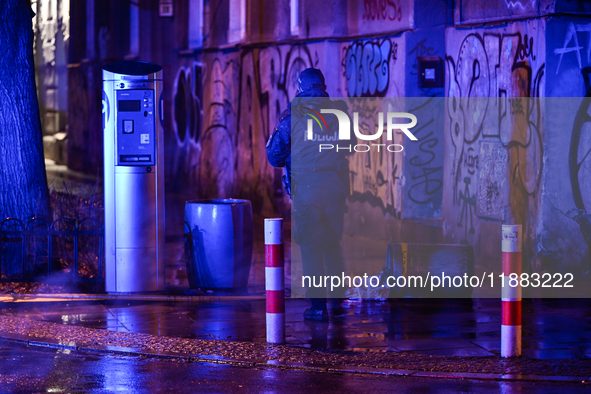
<point>318,182</point>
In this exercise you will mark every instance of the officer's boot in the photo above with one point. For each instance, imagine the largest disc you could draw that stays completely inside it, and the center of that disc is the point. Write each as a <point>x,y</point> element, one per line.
<point>318,311</point>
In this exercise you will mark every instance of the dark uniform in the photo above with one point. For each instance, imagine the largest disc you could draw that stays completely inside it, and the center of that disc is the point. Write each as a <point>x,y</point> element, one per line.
<point>318,183</point>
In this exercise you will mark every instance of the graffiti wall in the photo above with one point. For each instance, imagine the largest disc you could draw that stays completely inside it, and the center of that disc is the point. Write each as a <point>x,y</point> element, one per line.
<point>474,11</point>
<point>566,232</point>
<point>268,81</point>
<point>493,130</point>
<point>485,166</point>
<point>569,54</point>
<point>375,68</point>
<point>423,160</point>
<point>490,150</point>
<point>225,106</point>
<point>378,16</point>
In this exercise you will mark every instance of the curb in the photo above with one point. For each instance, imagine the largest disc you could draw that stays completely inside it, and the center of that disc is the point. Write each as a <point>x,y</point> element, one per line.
<point>15,298</point>
<point>212,359</point>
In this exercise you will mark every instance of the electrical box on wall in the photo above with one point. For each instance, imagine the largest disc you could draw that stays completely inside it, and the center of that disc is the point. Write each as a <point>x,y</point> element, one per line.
<point>430,72</point>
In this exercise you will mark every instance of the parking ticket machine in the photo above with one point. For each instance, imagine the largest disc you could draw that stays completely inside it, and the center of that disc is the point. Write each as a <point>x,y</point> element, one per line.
<point>134,177</point>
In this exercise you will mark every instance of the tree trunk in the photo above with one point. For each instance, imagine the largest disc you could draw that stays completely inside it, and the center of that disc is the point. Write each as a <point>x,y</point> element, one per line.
<point>23,183</point>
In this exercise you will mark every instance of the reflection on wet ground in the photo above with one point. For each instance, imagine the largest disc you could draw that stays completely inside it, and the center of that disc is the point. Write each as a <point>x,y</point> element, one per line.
<point>34,370</point>
<point>464,327</point>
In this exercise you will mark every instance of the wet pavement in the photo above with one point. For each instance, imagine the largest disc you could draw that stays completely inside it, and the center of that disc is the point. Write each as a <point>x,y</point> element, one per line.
<point>35,370</point>
<point>552,329</point>
<point>38,333</point>
<point>412,336</point>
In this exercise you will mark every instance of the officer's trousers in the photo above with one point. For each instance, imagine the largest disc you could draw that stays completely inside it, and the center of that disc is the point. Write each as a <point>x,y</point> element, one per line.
<point>318,214</point>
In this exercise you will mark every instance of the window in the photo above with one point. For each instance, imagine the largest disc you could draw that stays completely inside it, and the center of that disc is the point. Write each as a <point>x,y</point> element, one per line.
<point>165,8</point>
<point>295,17</point>
<point>90,48</point>
<point>195,24</point>
<point>134,28</point>
<point>237,29</point>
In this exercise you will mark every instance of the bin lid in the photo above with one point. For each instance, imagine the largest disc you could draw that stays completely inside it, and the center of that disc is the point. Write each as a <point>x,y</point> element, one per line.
<point>132,67</point>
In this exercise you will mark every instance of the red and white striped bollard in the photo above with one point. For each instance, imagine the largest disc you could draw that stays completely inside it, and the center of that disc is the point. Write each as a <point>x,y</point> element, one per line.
<point>511,296</point>
<point>274,284</point>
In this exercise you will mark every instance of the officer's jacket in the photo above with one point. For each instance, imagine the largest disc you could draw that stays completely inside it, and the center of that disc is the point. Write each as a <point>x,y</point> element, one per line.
<point>288,146</point>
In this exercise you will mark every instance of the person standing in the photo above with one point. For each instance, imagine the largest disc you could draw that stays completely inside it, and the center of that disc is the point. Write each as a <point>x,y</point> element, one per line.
<point>318,182</point>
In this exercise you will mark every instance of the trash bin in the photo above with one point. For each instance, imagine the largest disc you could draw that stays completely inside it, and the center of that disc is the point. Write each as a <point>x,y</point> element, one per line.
<point>218,243</point>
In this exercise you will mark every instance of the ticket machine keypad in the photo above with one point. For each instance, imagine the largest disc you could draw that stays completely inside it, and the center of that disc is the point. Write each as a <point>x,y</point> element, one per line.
<point>135,117</point>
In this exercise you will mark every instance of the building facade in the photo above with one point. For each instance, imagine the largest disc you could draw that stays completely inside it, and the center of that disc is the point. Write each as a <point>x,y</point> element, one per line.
<point>230,68</point>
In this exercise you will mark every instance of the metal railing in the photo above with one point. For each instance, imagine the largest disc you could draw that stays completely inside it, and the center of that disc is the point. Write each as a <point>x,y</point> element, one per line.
<point>38,260</point>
